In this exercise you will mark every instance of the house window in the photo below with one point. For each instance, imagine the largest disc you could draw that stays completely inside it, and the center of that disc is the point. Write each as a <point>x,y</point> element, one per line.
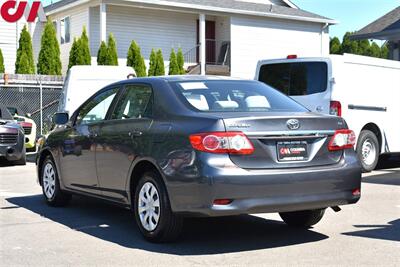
<point>65,30</point>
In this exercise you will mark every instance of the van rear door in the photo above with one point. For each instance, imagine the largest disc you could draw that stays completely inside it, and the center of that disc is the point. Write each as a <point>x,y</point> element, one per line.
<point>305,80</point>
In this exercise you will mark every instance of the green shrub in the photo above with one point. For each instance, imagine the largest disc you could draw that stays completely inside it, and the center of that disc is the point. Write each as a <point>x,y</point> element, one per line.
<point>335,46</point>
<point>2,69</point>
<point>152,65</point>
<point>49,62</point>
<point>102,54</point>
<point>136,60</point>
<point>173,64</point>
<point>112,55</point>
<point>73,54</point>
<point>84,47</point>
<point>23,64</point>
<point>159,68</point>
<point>181,61</point>
<point>25,48</point>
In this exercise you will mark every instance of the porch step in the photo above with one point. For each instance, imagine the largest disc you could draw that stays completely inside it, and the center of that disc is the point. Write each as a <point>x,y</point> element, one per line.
<point>219,70</point>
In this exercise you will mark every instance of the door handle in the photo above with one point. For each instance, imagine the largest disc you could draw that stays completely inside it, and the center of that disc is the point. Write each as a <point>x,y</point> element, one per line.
<point>135,133</point>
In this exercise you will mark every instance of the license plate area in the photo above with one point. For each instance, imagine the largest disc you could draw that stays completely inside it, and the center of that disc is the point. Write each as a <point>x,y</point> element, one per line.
<point>292,151</point>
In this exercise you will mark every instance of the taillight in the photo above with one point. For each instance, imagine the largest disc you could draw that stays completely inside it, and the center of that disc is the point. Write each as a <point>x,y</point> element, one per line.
<point>342,139</point>
<point>222,142</point>
<point>335,108</point>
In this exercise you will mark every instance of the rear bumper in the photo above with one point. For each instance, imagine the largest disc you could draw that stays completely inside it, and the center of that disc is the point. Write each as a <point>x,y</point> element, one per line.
<point>262,191</point>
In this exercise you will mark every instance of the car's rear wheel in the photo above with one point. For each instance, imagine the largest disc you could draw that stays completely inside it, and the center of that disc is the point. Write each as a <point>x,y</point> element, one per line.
<point>52,192</point>
<point>368,150</point>
<point>152,209</point>
<point>302,219</point>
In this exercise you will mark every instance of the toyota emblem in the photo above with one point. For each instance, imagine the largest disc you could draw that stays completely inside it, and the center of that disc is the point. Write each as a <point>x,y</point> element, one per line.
<point>293,124</point>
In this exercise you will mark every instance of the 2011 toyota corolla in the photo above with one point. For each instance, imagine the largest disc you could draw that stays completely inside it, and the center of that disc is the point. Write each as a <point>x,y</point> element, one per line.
<point>172,147</point>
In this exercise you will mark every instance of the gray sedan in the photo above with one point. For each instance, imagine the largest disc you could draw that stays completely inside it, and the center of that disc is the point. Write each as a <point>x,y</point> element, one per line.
<point>179,146</point>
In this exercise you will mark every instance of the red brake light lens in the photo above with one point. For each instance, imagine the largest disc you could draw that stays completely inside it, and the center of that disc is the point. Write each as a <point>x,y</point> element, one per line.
<point>291,57</point>
<point>335,108</point>
<point>342,139</point>
<point>222,142</point>
<point>26,124</point>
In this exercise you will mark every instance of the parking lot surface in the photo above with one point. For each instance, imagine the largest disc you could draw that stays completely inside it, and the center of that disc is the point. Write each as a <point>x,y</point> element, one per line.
<point>90,232</point>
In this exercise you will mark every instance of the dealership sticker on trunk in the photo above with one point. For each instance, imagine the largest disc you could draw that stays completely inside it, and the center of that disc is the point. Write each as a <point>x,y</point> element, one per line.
<point>292,151</point>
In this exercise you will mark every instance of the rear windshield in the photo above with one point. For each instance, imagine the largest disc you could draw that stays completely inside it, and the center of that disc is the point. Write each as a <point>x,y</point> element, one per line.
<point>298,78</point>
<point>234,96</point>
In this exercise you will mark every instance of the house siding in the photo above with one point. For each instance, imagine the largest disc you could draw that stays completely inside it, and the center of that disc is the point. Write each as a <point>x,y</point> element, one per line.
<point>253,39</point>
<point>150,29</point>
<point>79,18</point>
<point>9,36</point>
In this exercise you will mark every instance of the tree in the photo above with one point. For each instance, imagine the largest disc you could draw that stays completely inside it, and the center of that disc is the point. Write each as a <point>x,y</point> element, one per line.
<point>363,47</point>
<point>153,63</point>
<point>112,55</point>
<point>181,61</point>
<point>24,64</point>
<point>25,48</point>
<point>73,54</point>
<point>349,46</point>
<point>160,68</point>
<point>374,50</point>
<point>173,64</point>
<point>2,69</point>
<point>335,46</point>
<point>102,54</point>
<point>136,60</point>
<point>384,51</point>
<point>49,56</point>
<point>84,47</point>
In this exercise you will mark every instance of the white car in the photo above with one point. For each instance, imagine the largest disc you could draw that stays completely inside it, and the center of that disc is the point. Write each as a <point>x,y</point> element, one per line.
<point>365,91</point>
<point>82,82</point>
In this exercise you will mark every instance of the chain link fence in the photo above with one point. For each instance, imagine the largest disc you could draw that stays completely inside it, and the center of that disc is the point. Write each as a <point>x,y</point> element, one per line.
<point>34,94</point>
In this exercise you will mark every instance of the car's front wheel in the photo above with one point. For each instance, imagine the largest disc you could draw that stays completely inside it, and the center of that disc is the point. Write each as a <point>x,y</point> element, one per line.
<point>152,209</point>
<point>303,219</point>
<point>52,192</point>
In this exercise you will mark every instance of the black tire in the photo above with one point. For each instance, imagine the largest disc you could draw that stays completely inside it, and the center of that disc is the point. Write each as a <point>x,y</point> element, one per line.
<point>302,219</point>
<point>169,225</point>
<point>369,137</point>
<point>58,198</point>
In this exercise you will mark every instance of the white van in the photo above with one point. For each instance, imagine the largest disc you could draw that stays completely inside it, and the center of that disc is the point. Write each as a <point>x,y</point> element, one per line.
<point>365,91</point>
<point>84,81</point>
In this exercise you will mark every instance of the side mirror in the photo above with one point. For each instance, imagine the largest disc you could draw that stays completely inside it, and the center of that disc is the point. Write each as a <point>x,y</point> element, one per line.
<point>28,115</point>
<point>60,118</point>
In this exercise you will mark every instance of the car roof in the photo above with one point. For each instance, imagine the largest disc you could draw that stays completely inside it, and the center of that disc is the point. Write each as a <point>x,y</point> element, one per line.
<point>179,78</point>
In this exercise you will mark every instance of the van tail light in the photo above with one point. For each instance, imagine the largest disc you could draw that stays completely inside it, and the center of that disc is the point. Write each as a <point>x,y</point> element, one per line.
<point>291,57</point>
<point>335,108</point>
<point>342,139</point>
<point>222,142</point>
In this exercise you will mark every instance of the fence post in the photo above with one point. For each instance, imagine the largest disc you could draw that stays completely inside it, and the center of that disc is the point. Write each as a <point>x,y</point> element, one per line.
<point>41,105</point>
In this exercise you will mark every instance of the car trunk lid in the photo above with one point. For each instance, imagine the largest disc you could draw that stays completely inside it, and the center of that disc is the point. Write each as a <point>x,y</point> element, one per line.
<point>279,144</point>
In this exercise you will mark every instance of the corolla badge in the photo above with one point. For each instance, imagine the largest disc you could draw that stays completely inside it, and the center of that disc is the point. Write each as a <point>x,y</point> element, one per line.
<point>293,124</point>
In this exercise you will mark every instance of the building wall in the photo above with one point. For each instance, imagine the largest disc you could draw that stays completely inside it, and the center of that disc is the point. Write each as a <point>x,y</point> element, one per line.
<point>253,39</point>
<point>79,18</point>
<point>9,36</point>
<point>149,28</point>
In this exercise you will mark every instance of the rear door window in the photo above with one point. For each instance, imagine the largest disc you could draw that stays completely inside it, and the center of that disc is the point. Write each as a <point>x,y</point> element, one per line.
<point>294,79</point>
<point>135,103</point>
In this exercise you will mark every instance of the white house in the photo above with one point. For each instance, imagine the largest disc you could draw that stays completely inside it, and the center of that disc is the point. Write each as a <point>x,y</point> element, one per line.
<point>231,33</point>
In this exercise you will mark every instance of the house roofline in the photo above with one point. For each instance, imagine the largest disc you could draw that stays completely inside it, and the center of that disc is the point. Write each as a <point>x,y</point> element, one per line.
<point>290,3</point>
<point>203,8</point>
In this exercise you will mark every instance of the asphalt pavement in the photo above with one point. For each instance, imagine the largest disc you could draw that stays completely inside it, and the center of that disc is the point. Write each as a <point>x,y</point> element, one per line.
<point>93,233</point>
